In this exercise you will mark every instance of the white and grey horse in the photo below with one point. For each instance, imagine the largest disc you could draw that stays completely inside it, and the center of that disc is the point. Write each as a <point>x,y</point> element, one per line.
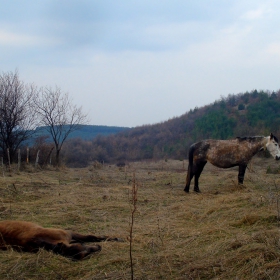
<point>226,154</point>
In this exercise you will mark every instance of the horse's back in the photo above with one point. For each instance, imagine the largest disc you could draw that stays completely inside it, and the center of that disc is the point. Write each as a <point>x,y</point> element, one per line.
<point>19,233</point>
<point>226,153</point>
<point>199,149</point>
<point>221,153</point>
<point>17,227</point>
<point>16,233</point>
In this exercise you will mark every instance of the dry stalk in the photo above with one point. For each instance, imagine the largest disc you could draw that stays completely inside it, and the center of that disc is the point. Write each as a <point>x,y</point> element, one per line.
<point>277,204</point>
<point>133,211</point>
<point>159,229</point>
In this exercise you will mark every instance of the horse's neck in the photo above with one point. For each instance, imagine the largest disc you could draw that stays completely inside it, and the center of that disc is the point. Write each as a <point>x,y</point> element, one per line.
<point>254,146</point>
<point>261,144</point>
<point>264,142</point>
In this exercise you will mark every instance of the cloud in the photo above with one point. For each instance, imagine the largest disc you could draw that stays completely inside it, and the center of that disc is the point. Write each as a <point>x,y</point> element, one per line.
<point>13,39</point>
<point>274,50</point>
<point>260,10</point>
<point>254,14</point>
<point>135,62</point>
<point>21,40</point>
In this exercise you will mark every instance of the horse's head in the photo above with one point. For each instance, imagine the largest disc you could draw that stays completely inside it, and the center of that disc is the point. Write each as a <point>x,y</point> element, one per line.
<point>273,146</point>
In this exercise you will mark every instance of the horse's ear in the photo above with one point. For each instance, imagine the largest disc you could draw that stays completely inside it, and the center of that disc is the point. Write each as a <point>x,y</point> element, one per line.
<point>273,137</point>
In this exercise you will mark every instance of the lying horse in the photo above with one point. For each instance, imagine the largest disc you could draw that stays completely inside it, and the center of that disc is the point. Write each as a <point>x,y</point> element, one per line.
<point>228,153</point>
<point>29,237</point>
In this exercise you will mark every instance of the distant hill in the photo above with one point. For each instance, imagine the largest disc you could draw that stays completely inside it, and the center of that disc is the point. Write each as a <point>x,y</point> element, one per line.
<point>85,132</point>
<point>243,114</point>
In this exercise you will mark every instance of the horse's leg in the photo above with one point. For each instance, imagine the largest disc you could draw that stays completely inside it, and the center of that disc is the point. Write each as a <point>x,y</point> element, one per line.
<point>189,178</point>
<point>199,169</point>
<point>241,173</point>
<point>76,237</point>
<point>75,251</point>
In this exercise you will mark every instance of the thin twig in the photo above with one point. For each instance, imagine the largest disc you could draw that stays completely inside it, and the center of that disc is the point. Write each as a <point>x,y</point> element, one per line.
<point>134,208</point>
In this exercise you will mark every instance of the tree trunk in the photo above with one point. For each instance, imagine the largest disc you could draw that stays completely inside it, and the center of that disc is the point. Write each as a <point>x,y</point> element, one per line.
<point>57,158</point>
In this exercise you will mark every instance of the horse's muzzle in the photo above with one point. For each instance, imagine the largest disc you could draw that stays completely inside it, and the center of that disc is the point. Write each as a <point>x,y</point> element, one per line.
<point>277,157</point>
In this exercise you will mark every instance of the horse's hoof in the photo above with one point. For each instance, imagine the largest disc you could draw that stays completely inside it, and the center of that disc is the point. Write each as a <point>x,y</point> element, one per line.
<point>118,240</point>
<point>187,191</point>
<point>95,248</point>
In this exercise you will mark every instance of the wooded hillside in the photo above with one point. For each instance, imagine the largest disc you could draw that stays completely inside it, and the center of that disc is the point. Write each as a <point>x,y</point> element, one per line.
<point>243,114</point>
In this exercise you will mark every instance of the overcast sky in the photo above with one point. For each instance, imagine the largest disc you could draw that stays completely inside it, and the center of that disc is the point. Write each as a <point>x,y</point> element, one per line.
<point>129,63</point>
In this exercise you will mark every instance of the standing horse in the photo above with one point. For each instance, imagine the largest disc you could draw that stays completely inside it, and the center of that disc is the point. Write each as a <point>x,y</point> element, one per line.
<point>226,154</point>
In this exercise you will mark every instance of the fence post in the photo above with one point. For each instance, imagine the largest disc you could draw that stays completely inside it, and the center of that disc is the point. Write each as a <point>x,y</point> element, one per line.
<point>37,159</point>
<point>2,164</point>
<point>27,155</point>
<point>9,160</point>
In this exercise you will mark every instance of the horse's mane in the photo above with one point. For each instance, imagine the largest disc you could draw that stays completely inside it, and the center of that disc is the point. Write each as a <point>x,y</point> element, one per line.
<point>254,138</point>
<point>249,138</point>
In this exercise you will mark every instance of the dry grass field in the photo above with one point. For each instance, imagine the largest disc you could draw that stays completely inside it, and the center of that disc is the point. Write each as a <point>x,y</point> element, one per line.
<point>225,232</point>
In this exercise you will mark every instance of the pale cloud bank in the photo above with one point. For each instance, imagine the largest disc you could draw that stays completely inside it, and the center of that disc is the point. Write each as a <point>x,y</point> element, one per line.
<point>137,62</point>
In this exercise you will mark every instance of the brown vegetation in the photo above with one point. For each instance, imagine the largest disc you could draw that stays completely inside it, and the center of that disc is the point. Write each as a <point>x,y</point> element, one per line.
<point>226,232</point>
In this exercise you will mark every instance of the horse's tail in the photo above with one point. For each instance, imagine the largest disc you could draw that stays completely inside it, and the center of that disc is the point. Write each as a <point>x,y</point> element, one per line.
<point>190,167</point>
<point>191,151</point>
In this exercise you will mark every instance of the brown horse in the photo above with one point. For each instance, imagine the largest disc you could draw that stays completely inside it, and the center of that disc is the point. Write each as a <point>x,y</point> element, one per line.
<point>29,237</point>
<point>228,153</point>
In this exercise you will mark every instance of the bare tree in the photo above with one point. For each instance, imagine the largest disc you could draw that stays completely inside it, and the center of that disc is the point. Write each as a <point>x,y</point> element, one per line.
<point>58,116</point>
<point>17,116</point>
